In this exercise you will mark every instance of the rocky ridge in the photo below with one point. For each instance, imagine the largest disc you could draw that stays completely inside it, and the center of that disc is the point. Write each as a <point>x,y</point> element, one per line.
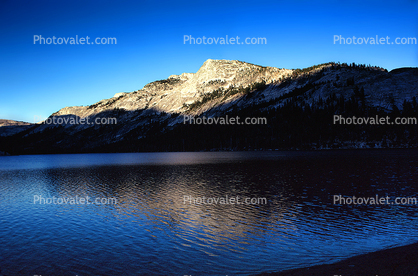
<point>171,94</point>
<point>222,87</point>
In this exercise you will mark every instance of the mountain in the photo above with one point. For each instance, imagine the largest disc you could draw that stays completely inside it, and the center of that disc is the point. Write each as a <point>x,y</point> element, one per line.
<point>12,123</point>
<point>11,127</point>
<point>299,106</point>
<point>170,95</point>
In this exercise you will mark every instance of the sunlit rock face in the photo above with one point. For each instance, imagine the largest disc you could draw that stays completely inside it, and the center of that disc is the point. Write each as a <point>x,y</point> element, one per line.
<point>171,94</point>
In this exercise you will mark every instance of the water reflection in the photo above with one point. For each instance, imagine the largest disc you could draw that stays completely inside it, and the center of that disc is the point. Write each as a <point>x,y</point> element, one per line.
<point>152,229</point>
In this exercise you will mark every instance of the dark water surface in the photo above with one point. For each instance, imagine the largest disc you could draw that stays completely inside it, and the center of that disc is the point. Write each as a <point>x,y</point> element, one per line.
<point>152,231</point>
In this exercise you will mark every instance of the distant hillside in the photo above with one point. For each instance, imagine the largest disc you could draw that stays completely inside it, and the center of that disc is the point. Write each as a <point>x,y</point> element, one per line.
<point>10,127</point>
<point>298,104</point>
<point>12,123</point>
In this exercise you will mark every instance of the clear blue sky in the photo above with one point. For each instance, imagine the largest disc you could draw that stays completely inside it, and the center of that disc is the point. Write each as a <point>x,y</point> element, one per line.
<point>37,80</point>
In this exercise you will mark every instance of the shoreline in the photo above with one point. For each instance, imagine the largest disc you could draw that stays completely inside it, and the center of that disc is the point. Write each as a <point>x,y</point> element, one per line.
<point>401,260</point>
<point>230,150</point>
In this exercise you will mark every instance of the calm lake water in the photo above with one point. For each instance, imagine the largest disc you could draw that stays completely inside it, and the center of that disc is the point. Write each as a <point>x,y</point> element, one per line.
<point>152,231</point>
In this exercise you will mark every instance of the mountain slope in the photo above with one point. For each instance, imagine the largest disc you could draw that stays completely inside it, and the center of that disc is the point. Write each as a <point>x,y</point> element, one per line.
<point>171,94</point>
<point>11,127</point>
<point>152,117</point>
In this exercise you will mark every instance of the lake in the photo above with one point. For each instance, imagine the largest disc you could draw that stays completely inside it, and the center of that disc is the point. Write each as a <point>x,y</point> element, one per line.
<point>156,212</point>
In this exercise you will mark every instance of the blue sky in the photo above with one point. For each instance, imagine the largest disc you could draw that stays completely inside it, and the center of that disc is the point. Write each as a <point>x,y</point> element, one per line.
<point>37,80</point>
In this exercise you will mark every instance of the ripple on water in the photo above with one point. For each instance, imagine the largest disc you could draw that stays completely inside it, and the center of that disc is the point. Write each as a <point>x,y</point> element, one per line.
<point>152,229</point>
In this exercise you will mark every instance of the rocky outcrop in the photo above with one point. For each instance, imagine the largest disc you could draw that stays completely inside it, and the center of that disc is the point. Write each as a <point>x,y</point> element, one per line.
<point>171,94</point>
